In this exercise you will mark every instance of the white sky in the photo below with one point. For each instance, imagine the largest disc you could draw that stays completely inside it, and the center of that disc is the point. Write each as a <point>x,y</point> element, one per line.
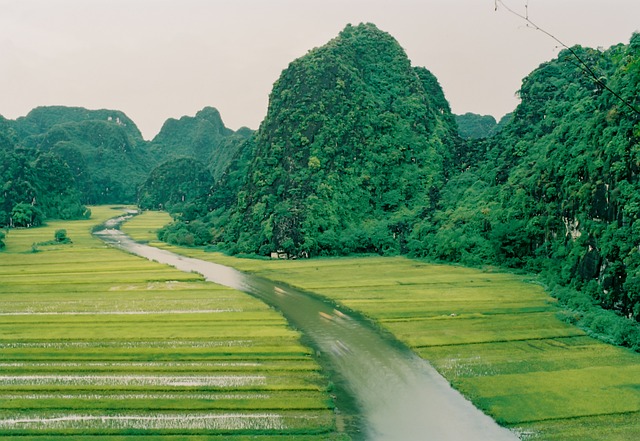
<point>156,59</point>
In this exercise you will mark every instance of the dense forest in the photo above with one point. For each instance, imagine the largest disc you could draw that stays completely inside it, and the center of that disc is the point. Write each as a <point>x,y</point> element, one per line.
<point>474,126</point>
<point>556,190</point>
<point>352,149</point>
<point>203,136</point>
<point>56,160</point>
<point>35,185</point>
<point>360,153</point>
<point>560,181</point>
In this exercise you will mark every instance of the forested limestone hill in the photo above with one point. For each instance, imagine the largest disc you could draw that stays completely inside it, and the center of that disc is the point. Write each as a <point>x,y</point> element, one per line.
<point>203,137</point>
<point>359,153</point>
<point>56,159</point>
<point>558,189</point>
<point>103,149</point>
<point>353,150</point>
<point>474,126</point>
<point>34,185</point>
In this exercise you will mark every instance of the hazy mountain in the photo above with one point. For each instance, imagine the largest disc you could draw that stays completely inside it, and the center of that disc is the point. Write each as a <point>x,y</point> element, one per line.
<point>203,137</point>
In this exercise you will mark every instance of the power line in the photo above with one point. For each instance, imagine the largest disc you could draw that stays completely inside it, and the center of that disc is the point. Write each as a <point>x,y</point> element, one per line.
<point>585,67</point>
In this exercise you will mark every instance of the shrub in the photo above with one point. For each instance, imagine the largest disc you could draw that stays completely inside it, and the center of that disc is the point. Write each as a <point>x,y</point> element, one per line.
<point>60,236</point>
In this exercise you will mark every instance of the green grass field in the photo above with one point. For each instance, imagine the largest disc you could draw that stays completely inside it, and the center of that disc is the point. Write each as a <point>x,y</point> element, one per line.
<point>495,336</point>
<point>99,344</point>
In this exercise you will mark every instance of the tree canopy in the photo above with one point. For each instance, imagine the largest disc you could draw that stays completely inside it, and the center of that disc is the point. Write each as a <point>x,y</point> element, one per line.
<point>351,152</point>
<point>359,152</point>
<point>203,137</point>
<point>558,187</point>
<point>175,183</point>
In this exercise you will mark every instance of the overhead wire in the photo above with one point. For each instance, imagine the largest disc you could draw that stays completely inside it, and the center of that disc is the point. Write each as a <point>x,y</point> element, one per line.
<point>585,67</point>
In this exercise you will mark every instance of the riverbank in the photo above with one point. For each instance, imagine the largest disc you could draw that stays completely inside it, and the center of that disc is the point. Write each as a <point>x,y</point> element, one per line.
<point>496,337</point>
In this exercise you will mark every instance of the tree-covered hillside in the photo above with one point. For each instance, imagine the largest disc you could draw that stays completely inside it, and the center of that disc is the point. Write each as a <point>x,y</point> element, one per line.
<point>199,148</point>
<point>34,185</point>
<point>103,149</point>
<point>203,137</point>
<point>174,184</point>
<point>474,126</point>
<point>558,189</point>
<point>352,152</point>
<point>56,159</point>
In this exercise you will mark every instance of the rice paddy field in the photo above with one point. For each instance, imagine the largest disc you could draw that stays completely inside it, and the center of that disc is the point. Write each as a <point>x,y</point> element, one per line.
<point>99,344</point>
<point>495,336</point>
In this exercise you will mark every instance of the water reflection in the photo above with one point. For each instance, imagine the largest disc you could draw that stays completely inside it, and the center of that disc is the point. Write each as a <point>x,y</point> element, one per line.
<point>400,397</point>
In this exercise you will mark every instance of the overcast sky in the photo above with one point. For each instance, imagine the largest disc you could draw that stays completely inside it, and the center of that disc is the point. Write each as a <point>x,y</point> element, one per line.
<point>156,59</point>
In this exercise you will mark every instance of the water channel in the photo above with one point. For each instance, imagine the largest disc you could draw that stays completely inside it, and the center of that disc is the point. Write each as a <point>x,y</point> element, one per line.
<point>398,396</point>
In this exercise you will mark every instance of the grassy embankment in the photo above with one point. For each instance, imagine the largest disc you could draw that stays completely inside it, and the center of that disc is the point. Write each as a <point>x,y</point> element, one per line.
<point>96,342</point>
<point>495,336</point>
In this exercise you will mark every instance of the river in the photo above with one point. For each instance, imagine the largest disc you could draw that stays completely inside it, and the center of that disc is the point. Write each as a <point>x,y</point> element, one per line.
<point>398,396</point>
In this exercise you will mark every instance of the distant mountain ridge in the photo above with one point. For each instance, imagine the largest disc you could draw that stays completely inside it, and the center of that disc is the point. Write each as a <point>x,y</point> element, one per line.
<point>101,155</point>
<point>203,137</point>
<point>474,126</point>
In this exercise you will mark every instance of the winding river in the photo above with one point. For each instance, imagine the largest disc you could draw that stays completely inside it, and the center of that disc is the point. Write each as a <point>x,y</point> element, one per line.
<point>398,396</point>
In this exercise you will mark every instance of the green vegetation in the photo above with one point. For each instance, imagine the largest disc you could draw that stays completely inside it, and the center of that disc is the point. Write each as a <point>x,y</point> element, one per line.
<point>556,191</point>
<point>103,149</point>
<point>197,151</point>
<point>60,236</point>
<point>203,137</point>
<point>57,159</point>
<point>359,153</point>
<point>352,149</point>
<point>95,342</point>
<point>177,185</point>
<point>474,126</point>
<point>35,186</point>
<point>497,337</point>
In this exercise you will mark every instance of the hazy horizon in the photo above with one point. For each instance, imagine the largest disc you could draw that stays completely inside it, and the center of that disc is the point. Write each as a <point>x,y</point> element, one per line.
<point>160,59</point>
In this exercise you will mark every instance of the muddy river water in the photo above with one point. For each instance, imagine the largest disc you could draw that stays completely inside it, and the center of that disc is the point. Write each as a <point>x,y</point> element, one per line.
<point>395,395</point>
